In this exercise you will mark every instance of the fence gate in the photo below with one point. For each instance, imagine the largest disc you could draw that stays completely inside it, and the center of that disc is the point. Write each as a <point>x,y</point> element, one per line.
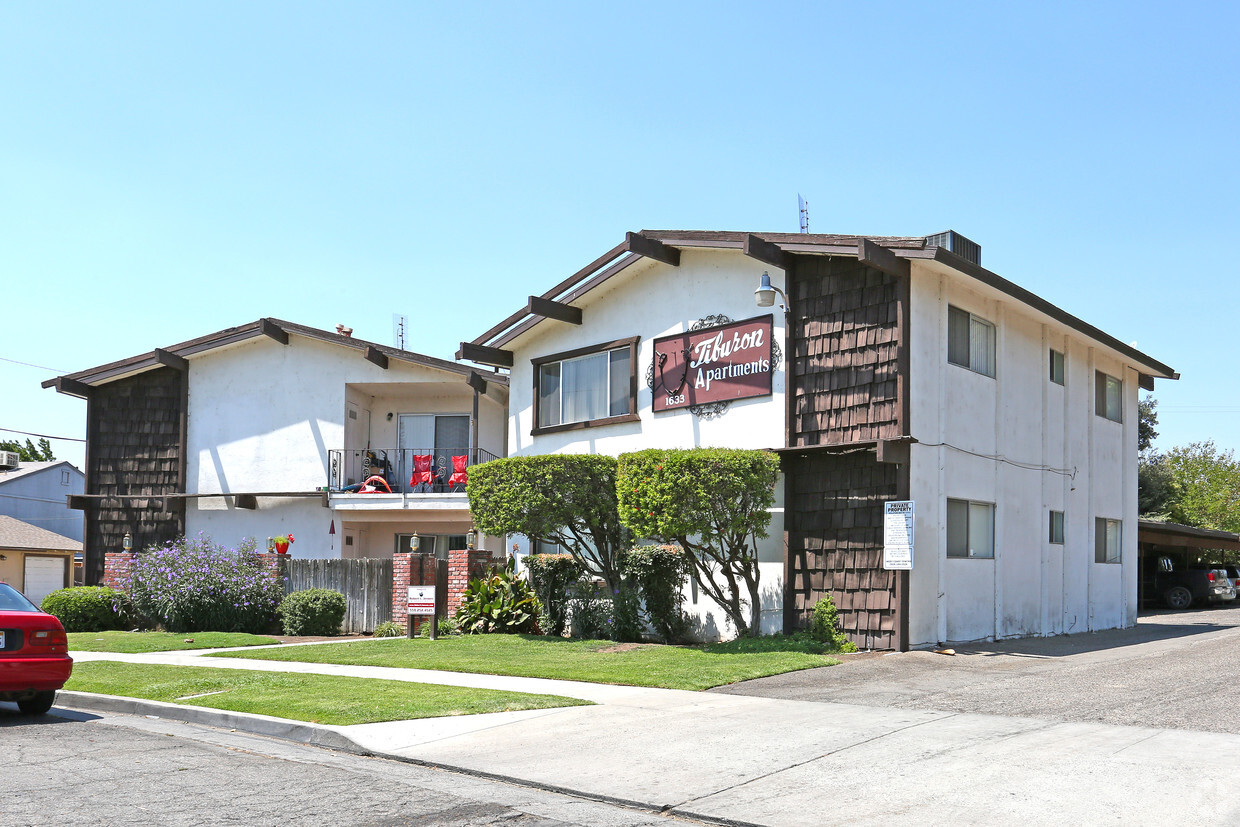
<point>365,583</point>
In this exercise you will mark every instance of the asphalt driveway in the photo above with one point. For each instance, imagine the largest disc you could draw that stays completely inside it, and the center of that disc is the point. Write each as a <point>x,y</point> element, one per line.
<point>1178,670</point>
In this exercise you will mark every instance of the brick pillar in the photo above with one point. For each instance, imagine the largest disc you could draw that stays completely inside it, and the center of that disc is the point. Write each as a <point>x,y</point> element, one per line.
<point>409,570</point>
<point>464,565</point>
<point>116,568</point>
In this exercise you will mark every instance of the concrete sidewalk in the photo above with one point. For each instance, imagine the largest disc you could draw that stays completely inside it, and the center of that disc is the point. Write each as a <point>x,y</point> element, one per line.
<point>769,761</point>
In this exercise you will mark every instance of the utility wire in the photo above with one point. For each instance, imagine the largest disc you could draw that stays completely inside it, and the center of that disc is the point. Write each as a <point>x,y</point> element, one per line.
<point>41,436</point>
<point>1028,466</point>
<point>31,365</point>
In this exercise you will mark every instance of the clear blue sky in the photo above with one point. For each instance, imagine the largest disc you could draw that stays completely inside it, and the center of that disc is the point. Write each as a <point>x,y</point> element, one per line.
<point>168,169</point>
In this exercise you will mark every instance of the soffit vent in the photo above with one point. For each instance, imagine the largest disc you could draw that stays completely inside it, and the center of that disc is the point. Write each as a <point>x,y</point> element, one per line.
<point>958,244</point>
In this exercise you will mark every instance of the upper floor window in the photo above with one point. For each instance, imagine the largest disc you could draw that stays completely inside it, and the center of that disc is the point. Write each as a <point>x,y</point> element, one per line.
<point>1056,527</point>
<point>1057,367</point>
<point>970,341</point>
<point>1108,397</point>
<point>590,386</point>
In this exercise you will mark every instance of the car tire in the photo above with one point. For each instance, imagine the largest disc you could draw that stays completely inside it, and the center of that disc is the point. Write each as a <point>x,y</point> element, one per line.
<point>40,703</point>
<point>1178,597</point>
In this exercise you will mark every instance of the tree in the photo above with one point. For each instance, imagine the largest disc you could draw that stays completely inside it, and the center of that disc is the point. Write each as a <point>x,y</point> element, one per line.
<point>29,452</point>
<point>1204,486</point>
<point>567,499</point>
<point>712,502</point>
<point>1147,418</point>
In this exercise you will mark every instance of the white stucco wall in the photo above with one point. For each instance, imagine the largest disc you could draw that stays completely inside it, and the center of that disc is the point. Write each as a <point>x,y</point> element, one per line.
<point>1056,455</point>
<point>38,497</point>
<point>262,417</point>
<point>650,300</point>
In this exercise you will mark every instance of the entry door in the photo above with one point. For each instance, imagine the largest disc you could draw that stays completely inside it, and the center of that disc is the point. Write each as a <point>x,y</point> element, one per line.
<point>443,435</point>
<point>43,576</point>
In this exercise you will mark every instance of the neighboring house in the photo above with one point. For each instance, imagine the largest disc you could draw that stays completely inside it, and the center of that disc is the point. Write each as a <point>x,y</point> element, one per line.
<point>261,430</point>
<point>902,371</point>
<point>33,560</point>
<point>38,493</point>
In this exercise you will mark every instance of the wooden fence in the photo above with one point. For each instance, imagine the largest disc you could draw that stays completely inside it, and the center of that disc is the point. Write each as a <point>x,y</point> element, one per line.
<point>365,583</point>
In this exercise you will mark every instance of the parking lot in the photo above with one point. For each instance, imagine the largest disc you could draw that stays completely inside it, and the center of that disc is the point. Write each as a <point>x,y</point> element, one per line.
<point>1177,670</point>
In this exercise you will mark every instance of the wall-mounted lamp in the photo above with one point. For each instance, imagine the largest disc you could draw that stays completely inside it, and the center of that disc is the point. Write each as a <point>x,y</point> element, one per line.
<point>4,557</point>
<point>271,545</point>
<point>765,294</point>
<point>389,416</point>
<point>415,543</point>
<point>127,542</point>
<point>471,539</point>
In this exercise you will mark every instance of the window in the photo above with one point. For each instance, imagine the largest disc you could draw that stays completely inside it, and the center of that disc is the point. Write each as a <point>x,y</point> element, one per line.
<point>970,341</point>
<point>1056,533</point>
<point>970,529</point>
<point>1106,540</point>
<point>591,386</point>
<point>1108,397</point>
<point>436,544</point>
<point>1056,367</point>
<point>64,477</point>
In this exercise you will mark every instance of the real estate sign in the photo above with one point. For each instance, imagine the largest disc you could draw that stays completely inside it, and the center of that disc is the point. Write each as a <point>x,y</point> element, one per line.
<point>714,364</point>
<point>422,600</point>
<point>898,518</point>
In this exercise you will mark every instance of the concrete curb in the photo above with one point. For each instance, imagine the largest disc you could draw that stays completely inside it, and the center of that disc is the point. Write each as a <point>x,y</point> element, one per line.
<point>320,735</point>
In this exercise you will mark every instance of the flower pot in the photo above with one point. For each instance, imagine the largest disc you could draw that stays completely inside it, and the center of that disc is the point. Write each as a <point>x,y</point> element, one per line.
<point>281,548</point>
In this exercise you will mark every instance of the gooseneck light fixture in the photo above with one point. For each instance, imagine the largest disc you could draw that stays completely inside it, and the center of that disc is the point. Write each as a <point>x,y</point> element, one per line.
<point>765,294</point>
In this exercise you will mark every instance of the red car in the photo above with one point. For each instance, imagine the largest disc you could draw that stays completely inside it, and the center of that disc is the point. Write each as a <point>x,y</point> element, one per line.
<point>34,653</point>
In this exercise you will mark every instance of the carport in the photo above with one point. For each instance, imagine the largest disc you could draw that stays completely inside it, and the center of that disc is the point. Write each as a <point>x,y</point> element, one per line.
<point>1187,547</point>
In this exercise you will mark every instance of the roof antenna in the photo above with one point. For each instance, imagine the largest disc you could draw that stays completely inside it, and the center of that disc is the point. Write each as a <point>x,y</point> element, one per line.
<point>400,323</point>
<point>803,207</point>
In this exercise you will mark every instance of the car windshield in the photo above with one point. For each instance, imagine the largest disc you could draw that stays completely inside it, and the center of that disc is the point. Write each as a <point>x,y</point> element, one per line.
<point>11,600</point>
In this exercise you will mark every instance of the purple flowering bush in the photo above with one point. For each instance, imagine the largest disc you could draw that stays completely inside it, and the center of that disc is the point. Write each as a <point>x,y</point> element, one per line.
<point>196,585</point>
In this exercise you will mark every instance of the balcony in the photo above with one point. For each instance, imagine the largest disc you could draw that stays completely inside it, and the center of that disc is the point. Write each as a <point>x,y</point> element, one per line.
<point>349,469</point>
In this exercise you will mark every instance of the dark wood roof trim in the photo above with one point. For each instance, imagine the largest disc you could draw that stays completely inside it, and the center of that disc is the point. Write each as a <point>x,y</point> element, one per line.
<point>485,355</point>
<point>372,354</point>
<point>548,309</point>
<point>880,258</point>
<point>684,238</point>
<point>477,382</point>
<point>274,328</point>
<point>652,248</point>
<point>765,252</point>
<point>69,387</point>
<point>270,329</point>
<point>85,498</point>
<point>1145,381</point>
<point>170,360</point>
<point>946,257</point>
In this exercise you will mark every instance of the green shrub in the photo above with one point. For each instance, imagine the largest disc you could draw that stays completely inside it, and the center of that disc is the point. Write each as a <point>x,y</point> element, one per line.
<point>660,573</point>
<point>89,608</point>
<point>446,626</point>
<point>312,612</point>
<point>596,614</point>
<point>552,575</point>
<point>500,601</point>
<point>196,585</point>
<point>389,628</point>
<point>825,626</point>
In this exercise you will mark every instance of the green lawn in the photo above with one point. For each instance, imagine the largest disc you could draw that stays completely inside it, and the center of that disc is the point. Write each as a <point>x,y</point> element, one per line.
<point>322,699</point>
<point>669,667</point>
<point>131,643</point>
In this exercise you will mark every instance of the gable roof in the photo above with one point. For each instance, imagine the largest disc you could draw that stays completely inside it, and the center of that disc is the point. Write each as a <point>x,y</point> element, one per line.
<point>26,469</point>
<point>17,534</point>
<point>277,329</point>
<point>770,248</point>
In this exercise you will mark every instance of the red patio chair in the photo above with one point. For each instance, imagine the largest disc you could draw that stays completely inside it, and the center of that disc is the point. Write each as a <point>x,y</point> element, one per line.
<point>371,486</point>
<point>459,477</point>
<point>422,473</point>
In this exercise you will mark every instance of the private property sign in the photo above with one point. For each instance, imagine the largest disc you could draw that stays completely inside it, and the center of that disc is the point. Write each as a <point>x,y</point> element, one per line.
<point>714,364</point>
<point>898,518</point>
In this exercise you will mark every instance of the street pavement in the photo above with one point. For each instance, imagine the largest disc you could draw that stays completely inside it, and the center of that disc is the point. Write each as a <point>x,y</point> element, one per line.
<point>814,759</point>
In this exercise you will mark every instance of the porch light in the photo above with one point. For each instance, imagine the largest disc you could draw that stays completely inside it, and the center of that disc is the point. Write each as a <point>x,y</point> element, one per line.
<point>765,294</point>
<point>271,545</point>
<point>127,542</point>
<point>415,542</point>
<point>471,538</point>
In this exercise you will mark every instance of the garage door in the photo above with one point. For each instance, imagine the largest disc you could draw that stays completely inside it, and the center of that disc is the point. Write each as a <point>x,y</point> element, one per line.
<point>44,575</point>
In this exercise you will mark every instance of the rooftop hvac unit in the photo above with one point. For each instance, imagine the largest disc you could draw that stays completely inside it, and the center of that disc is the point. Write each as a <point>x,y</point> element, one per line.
<point>9,460</point>
<point>958,244</point>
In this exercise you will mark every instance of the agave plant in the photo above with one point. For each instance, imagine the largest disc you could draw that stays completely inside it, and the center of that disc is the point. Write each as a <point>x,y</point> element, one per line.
<point>500,601</point>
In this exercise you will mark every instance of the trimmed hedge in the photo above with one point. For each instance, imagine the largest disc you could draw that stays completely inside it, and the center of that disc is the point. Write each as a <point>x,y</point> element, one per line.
<point>89,608</point>
<point>312,612</point>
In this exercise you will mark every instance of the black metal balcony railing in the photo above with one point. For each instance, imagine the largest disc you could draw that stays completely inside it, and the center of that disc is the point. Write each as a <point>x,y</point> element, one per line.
<point>349,469</point>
